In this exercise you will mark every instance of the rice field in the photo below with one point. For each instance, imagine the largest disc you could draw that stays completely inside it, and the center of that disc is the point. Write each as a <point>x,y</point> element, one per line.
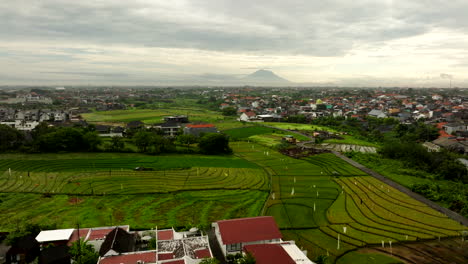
<point>96,189</point>
<point>151,116</point>
<point>331,208</point>
<point>178,209</point>
<point>133,182</point>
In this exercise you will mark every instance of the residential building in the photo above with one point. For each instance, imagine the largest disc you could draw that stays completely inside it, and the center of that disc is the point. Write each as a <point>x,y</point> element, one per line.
<point>197,129</point>
<point>234,234</point>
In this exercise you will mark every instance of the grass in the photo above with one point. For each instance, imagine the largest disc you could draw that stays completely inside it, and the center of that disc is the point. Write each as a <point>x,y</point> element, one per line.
<point>347,139</point>
<point>300,127</point>
<point>245,132</point>
<point>133,182</point>
<point>139,211</point>
<point>150,116</point>
<point>113,161</point>
<point>358,257</point>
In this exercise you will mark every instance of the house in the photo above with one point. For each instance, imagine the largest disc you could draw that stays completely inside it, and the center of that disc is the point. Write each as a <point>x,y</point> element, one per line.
<point>131,258</point>
<point>277,253</point>
<point>431,147</point>
<point>176,119</point>
<point>269,254</point>
<point>134,124</point>
<point>248,116</point>
<point>54,237</point>
<point>377,114</point>
<point>170,129</point>
<point>25,250</point>
<point>55,255</point>
<point>197,129</point>
<point>289,139</point>
<point>234,234</point>
<point>118,241</point>
<point>451,128</point>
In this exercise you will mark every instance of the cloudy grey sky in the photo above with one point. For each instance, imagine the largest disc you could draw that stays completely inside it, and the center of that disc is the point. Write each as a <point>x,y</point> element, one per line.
<point>360,42</point>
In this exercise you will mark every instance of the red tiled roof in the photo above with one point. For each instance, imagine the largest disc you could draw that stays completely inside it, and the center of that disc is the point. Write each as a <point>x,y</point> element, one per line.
<point>74,237</point>
<point>269,254</point>
<point>202,253</point>
<point>200,125</point>
<point>165,235</point>
<point>250,114</point>
<point>149,257</point>
<point>165,256</point>
<point>179,261</point>
<point>248,229</point>
<point>99,233</point>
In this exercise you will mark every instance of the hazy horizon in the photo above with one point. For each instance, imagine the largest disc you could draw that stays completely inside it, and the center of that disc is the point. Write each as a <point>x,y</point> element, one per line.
<point>337,43</point>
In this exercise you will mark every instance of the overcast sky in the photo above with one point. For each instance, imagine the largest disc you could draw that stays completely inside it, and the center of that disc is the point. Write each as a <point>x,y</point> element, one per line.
<point>342,42</point>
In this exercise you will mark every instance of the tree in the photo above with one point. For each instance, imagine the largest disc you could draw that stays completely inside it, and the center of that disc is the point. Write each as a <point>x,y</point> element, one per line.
<point>214,143</point>
<point>322,259</point>
<point>117,144</point>
<point>10,138</point>
<point>229,111</point>
<point>142,140</point>
<point>92,140</point>
<point>247,259</point>
<point>83,253</point>
<point>187,140</point>
<point>209,261</point>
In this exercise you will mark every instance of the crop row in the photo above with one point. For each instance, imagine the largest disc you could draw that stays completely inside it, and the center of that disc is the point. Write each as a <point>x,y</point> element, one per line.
<point>134,182</point>
<point>140,211</point>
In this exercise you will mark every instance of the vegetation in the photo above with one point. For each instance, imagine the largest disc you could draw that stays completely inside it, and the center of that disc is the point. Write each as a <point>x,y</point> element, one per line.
<point>358,257</point>
<point>214,143</point>
<point>83,253</point>
<point>151,116</point>
<point>317,199</point>
<point>450,194</point>
<point>140,211</point>
<point>209,261</point>
<point>229,111</point>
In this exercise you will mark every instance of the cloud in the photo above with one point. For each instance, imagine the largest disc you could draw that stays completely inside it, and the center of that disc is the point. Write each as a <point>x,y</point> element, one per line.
<point>318,28</point>
<point>446,76</point>
<point>323,41</point>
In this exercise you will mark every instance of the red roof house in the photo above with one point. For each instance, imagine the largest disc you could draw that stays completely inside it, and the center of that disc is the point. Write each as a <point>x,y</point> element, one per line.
<point>233,234</point>
<point>197,129</point>
<point>130,258</point>
<point>269,254</point>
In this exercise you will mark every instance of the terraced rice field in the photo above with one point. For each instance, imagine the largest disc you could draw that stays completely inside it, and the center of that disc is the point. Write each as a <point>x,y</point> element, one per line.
<point>178,209</point>
<point>102,189</point>
<point>133,182</point>
<point>321,199</point>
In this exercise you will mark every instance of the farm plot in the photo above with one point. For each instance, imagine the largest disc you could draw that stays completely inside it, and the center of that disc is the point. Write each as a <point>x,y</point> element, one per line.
<point>152,116</point>
<point>102,162</point>
<point>133,182</point>
<point>180,209</point>
<point>317,199</point>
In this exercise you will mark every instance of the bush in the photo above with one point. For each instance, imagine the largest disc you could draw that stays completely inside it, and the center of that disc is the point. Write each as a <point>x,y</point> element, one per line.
<point>214,143</point>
